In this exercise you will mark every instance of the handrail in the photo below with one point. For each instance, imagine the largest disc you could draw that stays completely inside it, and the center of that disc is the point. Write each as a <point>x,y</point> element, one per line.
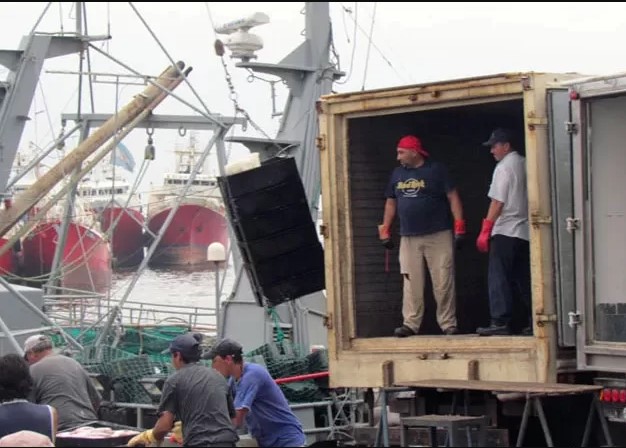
<point>91,310</point>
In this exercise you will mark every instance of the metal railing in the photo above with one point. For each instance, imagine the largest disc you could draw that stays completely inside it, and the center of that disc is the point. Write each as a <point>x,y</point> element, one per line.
<point>335,402</point>
<point>84,312</point>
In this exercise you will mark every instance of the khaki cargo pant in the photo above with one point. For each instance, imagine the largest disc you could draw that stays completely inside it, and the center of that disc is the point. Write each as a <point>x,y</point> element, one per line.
<point>437,250</point>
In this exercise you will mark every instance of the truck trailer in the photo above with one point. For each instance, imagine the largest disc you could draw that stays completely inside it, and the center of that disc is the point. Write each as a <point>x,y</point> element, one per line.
<point>571,130</point>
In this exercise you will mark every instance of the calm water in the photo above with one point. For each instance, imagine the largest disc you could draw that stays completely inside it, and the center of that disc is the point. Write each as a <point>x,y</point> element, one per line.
<point>171,293</point>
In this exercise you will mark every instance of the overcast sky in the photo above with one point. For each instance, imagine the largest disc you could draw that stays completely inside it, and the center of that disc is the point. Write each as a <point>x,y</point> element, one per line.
<point>411,43</point>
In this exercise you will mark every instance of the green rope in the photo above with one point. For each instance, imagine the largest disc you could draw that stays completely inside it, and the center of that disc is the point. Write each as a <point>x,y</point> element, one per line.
<point>280,336</point>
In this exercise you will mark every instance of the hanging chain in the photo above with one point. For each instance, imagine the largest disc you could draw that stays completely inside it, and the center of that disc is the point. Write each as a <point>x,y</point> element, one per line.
<point>234,97</point>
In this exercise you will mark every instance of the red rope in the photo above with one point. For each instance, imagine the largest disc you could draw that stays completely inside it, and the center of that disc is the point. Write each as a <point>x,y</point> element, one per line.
<point>308,376</point>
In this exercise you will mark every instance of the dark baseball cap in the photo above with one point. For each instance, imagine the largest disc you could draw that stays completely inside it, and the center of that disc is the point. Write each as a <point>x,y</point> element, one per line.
<point>499,135</point>
<point>224,348</point>
<point>187,344</point>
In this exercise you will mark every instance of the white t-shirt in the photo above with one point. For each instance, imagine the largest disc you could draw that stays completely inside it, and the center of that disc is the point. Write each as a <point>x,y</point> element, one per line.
<point>508,186</point>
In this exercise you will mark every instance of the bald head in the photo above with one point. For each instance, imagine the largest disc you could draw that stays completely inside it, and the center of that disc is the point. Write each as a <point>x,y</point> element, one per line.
<point>25,438</point>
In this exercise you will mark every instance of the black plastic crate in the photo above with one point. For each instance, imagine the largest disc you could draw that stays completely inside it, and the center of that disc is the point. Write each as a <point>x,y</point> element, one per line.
<point>281,244</point>
<point>275,221</point>
<point>271,172</point>
<point>270,199</point>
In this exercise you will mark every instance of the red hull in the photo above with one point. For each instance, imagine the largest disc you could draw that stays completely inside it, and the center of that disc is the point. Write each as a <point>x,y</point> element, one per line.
<point>127,236</point>
<point>86,263</point>
<point>188,236</point>
<point>7,260</point>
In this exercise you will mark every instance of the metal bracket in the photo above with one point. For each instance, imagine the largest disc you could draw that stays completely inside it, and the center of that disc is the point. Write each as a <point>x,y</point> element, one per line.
<point>574,319</point>
<point>328,321</point>
<point>542,319</point>
<point>536,121</point>
<point>324,230</point>
<point>572,224</point>
<point>536,220</point>
<point>571,127</point>
<point>320,142</point>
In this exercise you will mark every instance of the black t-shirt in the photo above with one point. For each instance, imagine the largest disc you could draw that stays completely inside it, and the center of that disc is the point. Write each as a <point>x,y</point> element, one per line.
<point>200,398</point>
<point>422,201</point>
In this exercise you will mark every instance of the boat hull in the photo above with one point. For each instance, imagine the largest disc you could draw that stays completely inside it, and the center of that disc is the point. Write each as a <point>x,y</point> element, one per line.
<point>86,261</point>
<point>7,260</point>
<point>187,238</point>
<point>127,235</point>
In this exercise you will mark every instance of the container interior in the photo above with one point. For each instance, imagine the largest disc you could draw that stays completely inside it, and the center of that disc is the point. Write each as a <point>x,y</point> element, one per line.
<point>453,136</point>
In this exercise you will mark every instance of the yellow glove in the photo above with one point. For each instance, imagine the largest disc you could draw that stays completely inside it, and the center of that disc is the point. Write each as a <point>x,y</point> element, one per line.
<point>143,439</point>
<point>177,433</point>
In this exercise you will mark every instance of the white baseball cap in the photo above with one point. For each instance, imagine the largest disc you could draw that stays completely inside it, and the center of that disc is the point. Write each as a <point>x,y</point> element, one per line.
<point>37,341</point>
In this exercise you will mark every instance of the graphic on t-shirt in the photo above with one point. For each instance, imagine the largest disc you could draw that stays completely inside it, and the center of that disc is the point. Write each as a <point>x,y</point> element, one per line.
<point>410,187</point>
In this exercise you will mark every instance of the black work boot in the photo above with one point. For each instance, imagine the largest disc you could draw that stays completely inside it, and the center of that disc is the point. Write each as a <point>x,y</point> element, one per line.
<point>403,332</point>
<point>495,329</point>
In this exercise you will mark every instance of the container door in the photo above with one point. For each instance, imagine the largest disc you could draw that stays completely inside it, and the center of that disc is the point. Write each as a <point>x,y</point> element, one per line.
<point>562,211</point>
<point>600,241</point>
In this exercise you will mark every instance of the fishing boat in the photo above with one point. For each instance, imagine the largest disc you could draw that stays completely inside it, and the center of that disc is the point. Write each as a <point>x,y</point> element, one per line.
<point>7,260</point>
<point>185,215</point>
<point>199,218</point>
<point>86,257</point>
<point>107,192</point>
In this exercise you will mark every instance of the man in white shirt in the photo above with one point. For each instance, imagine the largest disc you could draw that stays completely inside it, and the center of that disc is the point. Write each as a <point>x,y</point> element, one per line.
<point>505,236</point>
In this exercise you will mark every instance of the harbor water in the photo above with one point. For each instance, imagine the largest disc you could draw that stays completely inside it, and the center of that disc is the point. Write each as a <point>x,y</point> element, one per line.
<point>160,296</point>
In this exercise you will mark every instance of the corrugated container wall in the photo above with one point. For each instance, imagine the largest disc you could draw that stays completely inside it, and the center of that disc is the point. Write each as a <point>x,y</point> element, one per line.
<point>358,137</point>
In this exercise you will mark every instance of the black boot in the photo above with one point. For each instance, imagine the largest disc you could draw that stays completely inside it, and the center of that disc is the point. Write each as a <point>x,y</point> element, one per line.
<point>403,332</point>
<point>495,329</point>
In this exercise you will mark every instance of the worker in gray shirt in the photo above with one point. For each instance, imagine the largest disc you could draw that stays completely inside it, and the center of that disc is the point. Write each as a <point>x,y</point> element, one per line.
<point>61,382</point>
<point>196,395</point>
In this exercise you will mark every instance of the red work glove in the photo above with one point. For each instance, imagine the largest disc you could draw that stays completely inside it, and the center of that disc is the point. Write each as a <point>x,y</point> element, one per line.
<point>459,232</point>
<point>384,234</point>
<point>482,243</point>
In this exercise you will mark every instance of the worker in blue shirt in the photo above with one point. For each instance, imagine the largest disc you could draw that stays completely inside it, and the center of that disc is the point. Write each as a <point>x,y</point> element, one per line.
<point>258,399</point>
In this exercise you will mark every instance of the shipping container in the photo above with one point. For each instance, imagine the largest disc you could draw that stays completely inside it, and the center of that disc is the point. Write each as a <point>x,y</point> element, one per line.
<point>357,141</point>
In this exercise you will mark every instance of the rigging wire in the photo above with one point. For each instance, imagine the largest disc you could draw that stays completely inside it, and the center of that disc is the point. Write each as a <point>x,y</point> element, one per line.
<point>369,47</point>
<point>61,17</point>
<point>40,18</point>
<point>343,19</point>
<point>88,56</point>
<point>208,10</point>
<point>169,57</point>
<point>108,42</point>
<point>90,80</point>
<point>380,52</point>
<point>354,36</point>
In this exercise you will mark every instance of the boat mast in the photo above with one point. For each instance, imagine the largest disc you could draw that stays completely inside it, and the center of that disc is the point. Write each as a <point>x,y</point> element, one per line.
<point>54,279</point>
<point>309,74</point>
<point>18,91</point>
<point>16,96</point>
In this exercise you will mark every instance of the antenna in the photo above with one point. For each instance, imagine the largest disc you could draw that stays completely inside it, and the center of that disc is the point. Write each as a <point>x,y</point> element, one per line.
<point>240,41</point>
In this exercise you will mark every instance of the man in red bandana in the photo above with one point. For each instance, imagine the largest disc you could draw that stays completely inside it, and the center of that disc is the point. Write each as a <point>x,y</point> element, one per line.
<point>425,199</point>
